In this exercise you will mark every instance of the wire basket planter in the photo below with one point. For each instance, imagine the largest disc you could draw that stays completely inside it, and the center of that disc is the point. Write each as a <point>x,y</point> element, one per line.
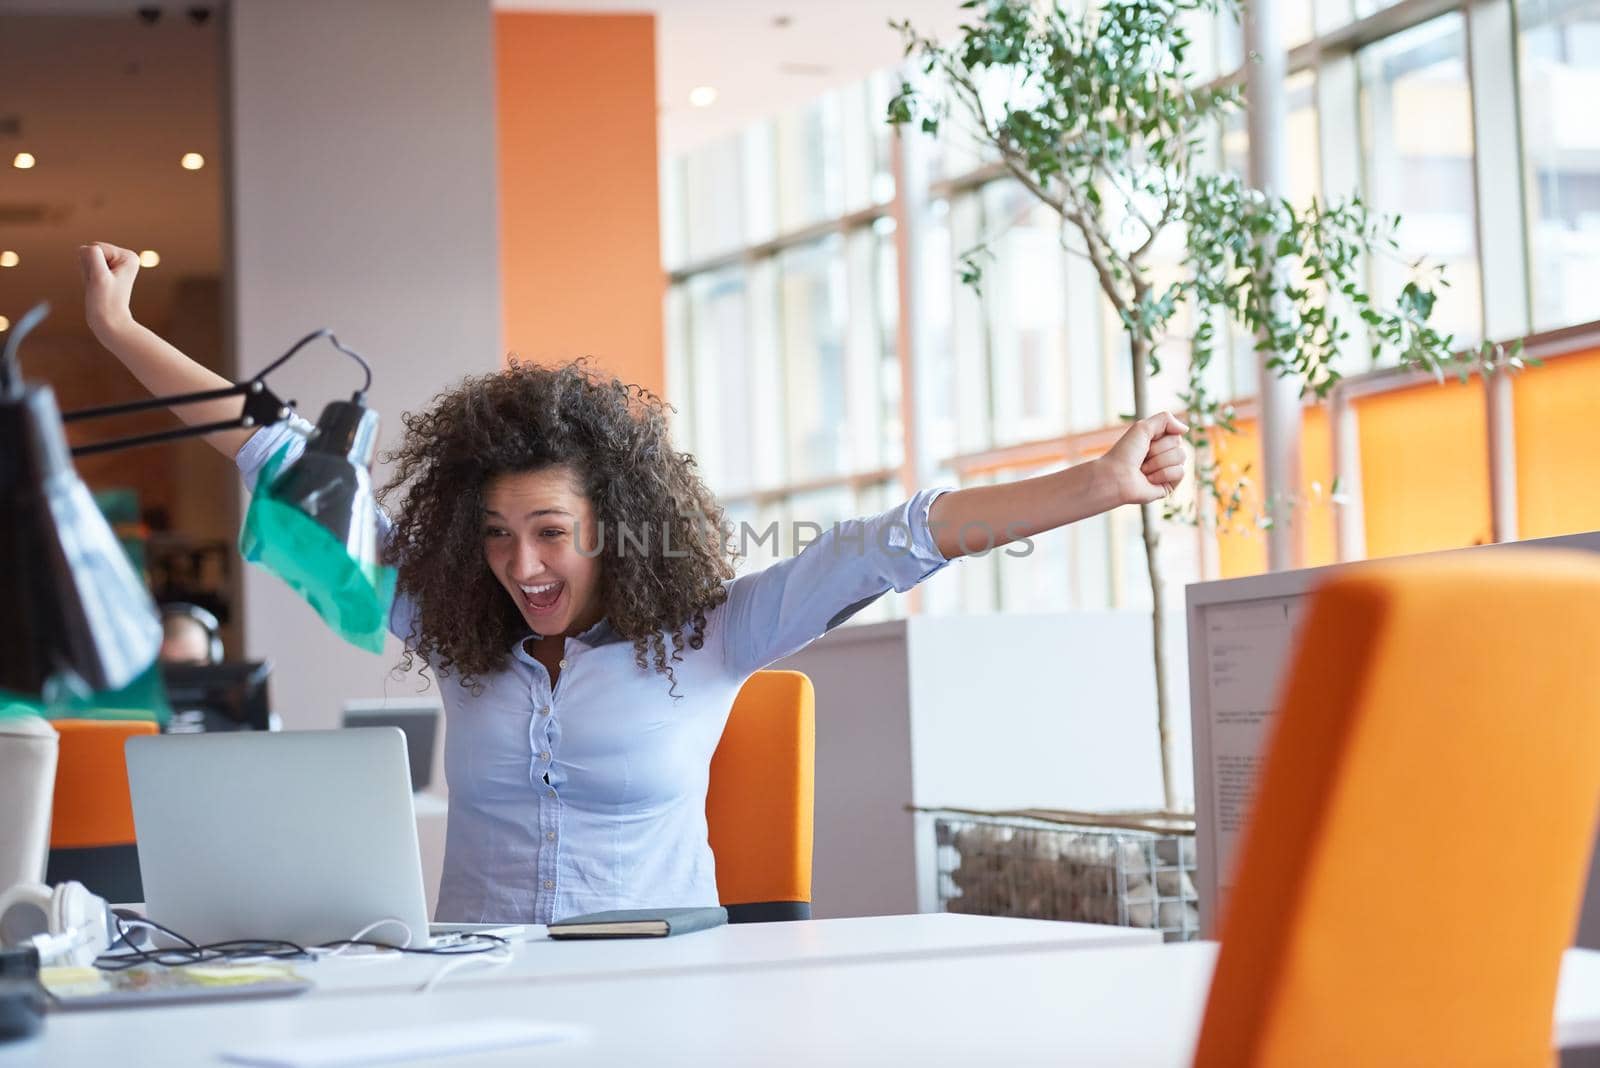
<point>1051,866</point>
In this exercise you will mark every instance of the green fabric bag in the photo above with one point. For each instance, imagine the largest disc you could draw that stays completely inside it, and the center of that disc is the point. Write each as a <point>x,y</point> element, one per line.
<point>351,596</point>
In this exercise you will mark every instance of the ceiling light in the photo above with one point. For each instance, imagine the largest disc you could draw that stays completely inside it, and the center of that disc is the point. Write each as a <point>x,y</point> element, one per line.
<point>149,258</point>
<point>702,96</point>
<point>9,258</point>
<point>192,161</point>
<point>5,324</point>
<point>23,161</point>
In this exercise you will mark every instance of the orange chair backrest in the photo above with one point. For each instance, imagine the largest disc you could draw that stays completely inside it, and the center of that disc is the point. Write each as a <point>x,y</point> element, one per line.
<point>92,806</point>
<point>761,800</point>
<point>1413,868</point>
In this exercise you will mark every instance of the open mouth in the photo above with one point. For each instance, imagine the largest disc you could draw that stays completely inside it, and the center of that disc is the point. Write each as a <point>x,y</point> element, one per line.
<point>542,597</point>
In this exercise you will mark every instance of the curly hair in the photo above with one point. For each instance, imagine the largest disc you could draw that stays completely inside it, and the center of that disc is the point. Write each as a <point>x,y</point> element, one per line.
<point>614,437</point>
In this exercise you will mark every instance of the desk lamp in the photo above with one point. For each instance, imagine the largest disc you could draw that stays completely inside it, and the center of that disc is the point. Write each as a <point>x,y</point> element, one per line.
<point>84,613</point>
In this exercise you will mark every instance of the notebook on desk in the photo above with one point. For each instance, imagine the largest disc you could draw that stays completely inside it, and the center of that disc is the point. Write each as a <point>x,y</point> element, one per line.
<point>639,923</point>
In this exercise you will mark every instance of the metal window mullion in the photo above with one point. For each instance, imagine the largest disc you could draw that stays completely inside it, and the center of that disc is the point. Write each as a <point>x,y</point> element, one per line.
<point>763,319</point>
<point>679,319</point>
<point>986,312</point>
<point>1280,409</point>
<point>780,314</point>
<point>1502,234</point>
<point>1349,503</point>
<point>1338,103</point>
<point>909,164</point>
<point>986,320</point>
<point>772,247</point>
<point>1386,22</point>
<point>862,350</point>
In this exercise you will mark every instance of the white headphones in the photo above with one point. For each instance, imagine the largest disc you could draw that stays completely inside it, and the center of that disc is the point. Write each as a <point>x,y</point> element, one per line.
<point>66,926</point>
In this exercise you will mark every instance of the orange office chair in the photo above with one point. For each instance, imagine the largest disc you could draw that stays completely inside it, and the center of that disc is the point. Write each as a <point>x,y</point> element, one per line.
<point>1414,865</point>
<point>760,804</point>
<point>91,829</point>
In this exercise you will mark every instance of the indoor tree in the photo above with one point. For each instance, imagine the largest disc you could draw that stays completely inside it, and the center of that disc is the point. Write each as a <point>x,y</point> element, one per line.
<point>1100,116</point>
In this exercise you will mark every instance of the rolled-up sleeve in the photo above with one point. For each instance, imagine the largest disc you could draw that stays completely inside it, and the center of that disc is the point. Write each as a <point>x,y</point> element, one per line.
<point>778,610</point>
<point>263,445</point>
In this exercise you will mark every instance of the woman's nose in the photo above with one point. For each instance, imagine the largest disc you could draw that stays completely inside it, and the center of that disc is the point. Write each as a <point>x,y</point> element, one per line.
<point>526,562</point>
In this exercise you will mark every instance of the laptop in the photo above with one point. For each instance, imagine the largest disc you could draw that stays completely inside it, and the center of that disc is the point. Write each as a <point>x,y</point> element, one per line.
<point>307,836</point>
<point>420,721</point>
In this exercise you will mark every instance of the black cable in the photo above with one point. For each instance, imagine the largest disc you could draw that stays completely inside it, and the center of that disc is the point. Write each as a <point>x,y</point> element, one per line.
<point>490,942</point>
<point>334,340</point>
<point>279,949</point>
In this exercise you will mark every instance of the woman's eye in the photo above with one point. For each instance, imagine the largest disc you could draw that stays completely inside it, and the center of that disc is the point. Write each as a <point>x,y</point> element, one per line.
<point>493,532</point>
<point>553,532</point>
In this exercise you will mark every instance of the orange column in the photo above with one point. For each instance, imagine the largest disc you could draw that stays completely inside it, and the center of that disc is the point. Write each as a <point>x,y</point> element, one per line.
<point>580,245</point>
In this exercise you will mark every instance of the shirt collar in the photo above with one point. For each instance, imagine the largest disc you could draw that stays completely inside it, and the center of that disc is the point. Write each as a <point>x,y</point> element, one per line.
<point>599,634</point>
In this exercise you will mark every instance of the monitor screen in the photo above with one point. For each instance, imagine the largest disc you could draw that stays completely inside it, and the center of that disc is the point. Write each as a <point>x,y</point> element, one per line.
<point>418,719</point>
<point>230,696</point>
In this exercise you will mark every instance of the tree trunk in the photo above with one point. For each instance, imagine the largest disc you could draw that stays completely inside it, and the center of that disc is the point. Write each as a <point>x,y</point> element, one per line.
<point>1148,522</point>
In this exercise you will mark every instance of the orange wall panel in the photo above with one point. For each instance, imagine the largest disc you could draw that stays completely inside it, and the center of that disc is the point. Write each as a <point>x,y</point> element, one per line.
<point>1557,463</point>
<point>1425,468</point>
<point>1241,543</point>
<point>580,242</point>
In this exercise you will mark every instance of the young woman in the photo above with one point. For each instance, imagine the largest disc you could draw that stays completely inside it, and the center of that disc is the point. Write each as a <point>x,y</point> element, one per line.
<point>562,574</point>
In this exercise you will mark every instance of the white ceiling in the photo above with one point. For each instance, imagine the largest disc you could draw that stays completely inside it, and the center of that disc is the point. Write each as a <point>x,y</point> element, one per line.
<point>759,67</point>
<point>109,104</point>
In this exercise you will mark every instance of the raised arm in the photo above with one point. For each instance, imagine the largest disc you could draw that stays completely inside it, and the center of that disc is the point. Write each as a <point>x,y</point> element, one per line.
<point>108,274</point>
<point>1147,462</point>
<point>776,611</point>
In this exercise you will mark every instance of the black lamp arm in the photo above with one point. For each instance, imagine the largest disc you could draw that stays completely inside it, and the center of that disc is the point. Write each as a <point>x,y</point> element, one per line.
<point>261,408</point>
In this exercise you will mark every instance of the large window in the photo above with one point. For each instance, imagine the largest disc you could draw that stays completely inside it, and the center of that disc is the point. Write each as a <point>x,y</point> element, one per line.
<point>783,320</point>
<point>1416,114</point>
<point>1560,75</point>
<point>786,349</point>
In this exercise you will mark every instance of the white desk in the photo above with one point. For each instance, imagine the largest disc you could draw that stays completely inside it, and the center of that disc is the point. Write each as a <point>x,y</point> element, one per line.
<point>1022,1006</point>
<point>735,947</point>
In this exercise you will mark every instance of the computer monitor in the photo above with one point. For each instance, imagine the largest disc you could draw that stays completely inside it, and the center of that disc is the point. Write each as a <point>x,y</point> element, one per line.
<point>418,719</point>
<point>231,696</point>
<point>1242,635</point>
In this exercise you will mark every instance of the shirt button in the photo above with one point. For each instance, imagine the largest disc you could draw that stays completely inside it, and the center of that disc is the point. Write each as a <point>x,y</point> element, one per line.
<point>563,663</point>
<point>550,836</point>
<point>545,711</point>
<point>549,884</point>
<point>552,793</point>
<point>544,756</point>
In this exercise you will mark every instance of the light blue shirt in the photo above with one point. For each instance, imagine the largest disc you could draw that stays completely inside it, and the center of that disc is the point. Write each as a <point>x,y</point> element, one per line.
<point>591,795</point>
